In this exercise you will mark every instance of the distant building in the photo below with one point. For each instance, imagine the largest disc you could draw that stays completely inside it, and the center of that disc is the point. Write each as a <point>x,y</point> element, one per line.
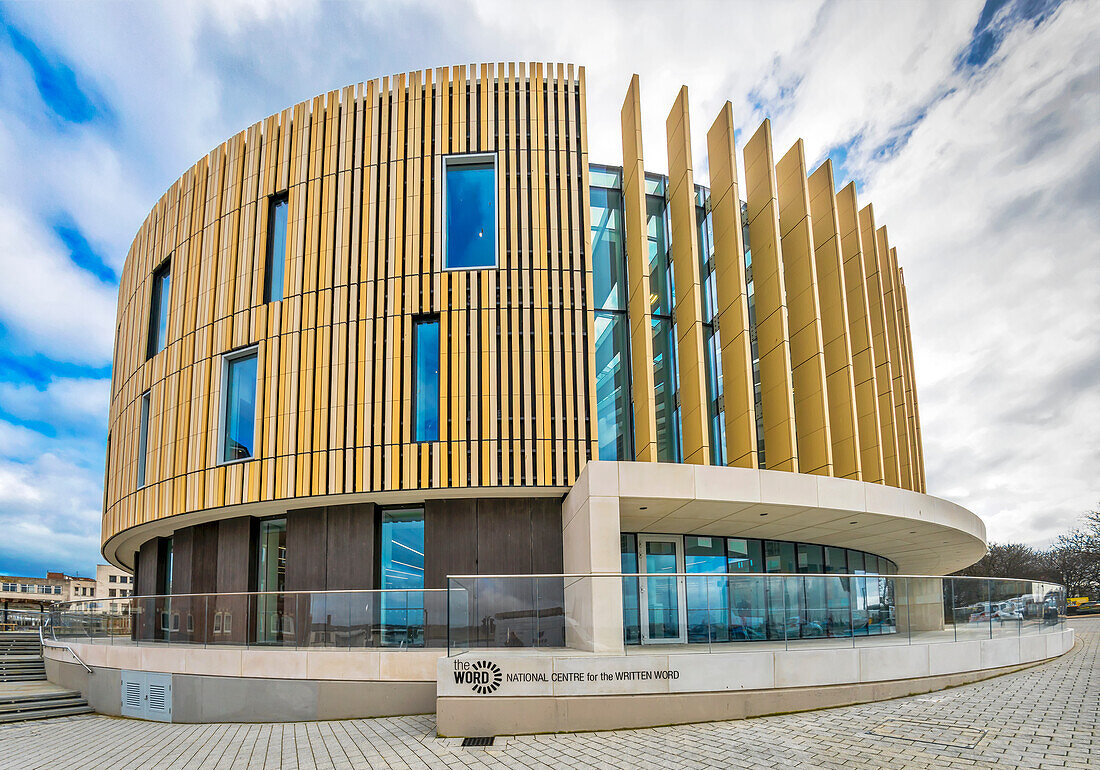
<point>38,593</point>
<point>112,585</point>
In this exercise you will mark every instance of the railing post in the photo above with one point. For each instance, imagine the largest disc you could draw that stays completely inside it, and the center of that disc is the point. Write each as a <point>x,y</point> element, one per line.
<point>908,608</point>
<point>851,610</point>
<point>786,611</point>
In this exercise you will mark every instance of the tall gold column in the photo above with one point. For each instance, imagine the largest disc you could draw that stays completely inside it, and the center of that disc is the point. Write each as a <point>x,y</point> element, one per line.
<point>884,384</point>
<point>859,334</point>
<point>769,290</point>
<point>811,406</point>
<point>839,381</point>
<point>694,415</point>
<point>733,298</point>
<point>637,256</point>
<point>897,365</point>
<point>915,439</point>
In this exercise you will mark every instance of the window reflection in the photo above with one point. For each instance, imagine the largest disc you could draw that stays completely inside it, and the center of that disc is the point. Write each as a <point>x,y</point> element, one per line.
<point>239,408</point>
<point>402,572</point>
<point>814,602</point>
<point>470,212</point>
<point>158,309</point>
<point>426,398</point>
<point>275,265</point>
<point>273,623</point>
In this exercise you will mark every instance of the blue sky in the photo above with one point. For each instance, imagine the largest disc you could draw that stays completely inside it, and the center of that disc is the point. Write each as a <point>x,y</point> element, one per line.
<point>974,128</point>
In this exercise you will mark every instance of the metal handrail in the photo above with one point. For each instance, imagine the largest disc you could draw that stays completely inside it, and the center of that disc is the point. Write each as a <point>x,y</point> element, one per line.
<point>122,599</point>
<point>60,645</point>
<point>749,574</point>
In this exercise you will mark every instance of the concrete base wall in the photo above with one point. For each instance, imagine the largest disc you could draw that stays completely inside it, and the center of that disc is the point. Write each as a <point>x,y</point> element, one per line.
<point>197,698</point>
<point>463,717</point>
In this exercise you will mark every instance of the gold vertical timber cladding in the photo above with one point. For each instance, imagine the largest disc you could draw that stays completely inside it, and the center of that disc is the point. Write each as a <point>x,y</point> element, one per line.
<point>883,376</point>
<point>897,365</point>
<point>859,325</point>
<point>637,255</point>
<point>811,405</point>
<point>834,324</point>
<point>733,299</point>
<point>689,297</point>
<point>772,334</point>
<point>918,442</point>
<point>363,171</point>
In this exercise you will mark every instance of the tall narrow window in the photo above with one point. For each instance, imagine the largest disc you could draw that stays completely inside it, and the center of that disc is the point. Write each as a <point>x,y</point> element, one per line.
<point>238,437</point>
<point>158,310</point>
<point>275,264</point>
<point>143,439</point>
<point>402,573</point>
<point>426,385</point>
<point>470,191</point>
<point>612,336</point>
<point>270,580</point>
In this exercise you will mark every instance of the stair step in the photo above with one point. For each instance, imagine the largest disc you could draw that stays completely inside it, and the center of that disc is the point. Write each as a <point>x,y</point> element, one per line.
<point>41,677</point>
<point>29,707</point>
<point>47,714</point>
<point>39,696</point>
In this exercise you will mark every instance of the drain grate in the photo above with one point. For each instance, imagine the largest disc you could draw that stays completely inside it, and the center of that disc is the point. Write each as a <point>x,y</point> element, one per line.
<point>936,733</point>
<point>477,741</point>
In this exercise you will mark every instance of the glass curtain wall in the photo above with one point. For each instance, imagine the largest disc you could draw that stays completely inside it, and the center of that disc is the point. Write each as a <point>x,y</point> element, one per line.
<point>810,601</point>
<point>757,392</point>
<point>666,377</point>
<point>273,624</point>
<point>631,613</point>
<point>712,345</point>
<point>614,412</point>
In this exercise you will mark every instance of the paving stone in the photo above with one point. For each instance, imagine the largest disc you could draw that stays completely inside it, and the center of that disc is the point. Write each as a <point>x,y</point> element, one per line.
<point>1044,717</point>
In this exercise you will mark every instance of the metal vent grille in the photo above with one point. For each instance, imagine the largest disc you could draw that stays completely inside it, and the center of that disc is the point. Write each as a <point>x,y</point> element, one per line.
<point>158,697</point>
<point>131,695</point>
<point>478,741</point>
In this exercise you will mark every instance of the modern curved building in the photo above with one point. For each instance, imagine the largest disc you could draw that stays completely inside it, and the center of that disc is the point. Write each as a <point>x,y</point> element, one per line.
<point>410,330</point>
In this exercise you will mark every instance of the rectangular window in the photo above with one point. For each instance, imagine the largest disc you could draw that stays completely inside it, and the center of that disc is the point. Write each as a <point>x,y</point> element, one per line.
<point>426,385</point>
<point>143,439</point>
<point>275,264</point>
<point>470,191</point>
<point>271,581</point>
<point>112,579</point>
<point>613,407</point>
<point>158,309</point>
<point>402,573</point>
<point>238,436</point>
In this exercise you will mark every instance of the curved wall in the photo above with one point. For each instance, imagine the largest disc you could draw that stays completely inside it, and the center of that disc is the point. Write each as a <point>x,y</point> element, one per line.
<point>362,170</point>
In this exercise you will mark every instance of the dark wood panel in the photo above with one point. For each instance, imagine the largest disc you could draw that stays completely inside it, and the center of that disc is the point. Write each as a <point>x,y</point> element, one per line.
<point>503,536</point>
<point>145,574</point>
<point>236,557</point>
<point>350,562</point>
<point>450,540</point>
<point>546,538</point>
<point>235,572</point>
<point>182,542</point>
<point>204,558</point>
<point>306,550</point>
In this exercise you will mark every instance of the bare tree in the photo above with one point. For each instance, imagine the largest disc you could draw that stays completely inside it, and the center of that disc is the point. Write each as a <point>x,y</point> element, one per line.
<point>1014,560</point>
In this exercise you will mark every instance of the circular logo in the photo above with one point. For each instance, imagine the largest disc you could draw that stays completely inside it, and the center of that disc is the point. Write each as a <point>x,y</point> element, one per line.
<point>486,677</point>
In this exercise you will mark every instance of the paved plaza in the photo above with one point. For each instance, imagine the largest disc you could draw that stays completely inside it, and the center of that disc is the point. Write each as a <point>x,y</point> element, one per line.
<point>1046,716</point>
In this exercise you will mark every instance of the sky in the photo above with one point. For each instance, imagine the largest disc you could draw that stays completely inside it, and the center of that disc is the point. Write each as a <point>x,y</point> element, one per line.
<point>973,127</point>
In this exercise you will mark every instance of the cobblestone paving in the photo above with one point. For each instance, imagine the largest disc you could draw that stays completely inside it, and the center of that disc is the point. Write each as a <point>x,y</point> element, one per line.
<point>1043,717</point>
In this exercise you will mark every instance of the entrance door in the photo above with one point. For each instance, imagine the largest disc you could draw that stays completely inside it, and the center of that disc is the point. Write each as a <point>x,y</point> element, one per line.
<point>662,595</point>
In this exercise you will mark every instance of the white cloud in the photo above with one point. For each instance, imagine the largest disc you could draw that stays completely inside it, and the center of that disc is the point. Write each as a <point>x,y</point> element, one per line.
<point>993,205</point>
<point>992,202</point>
<point>68,402</point>
<point>48,303</point>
